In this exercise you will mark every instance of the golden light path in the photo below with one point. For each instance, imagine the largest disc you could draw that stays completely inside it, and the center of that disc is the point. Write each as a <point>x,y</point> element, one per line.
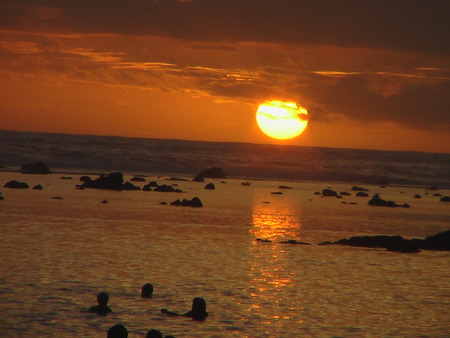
<point>282,120</point>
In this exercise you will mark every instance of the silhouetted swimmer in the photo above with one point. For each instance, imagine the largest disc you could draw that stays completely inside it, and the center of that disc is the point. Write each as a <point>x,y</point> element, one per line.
<point>117,331</point>
<point>154,334</point>
<point>102,309</point>
<point>198,311</point>
<point>147,291</point>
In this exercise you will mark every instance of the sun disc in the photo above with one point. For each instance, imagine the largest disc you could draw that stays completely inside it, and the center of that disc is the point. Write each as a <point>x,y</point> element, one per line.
<point>281,120</point>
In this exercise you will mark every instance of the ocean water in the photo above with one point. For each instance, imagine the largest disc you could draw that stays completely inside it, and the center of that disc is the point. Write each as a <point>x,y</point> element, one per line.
<point>136,155</point>
<point>59,253</point>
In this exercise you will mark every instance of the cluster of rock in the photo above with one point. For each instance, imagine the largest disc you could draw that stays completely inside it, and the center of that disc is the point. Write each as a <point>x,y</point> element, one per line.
<point>379,202</point>
<point>194,203</point>
<point>112,181</point>
<point>440,241</point>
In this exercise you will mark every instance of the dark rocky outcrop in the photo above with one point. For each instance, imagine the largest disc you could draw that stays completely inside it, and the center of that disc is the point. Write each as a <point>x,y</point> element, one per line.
<point>445,199</point>
<point>112,181</point>
<point>329,193</point>
<point>147,187</point>
<point>379,202</point>
<point>362,194</point>
<point>344,193</point>
<point>166,188</point>
<point>284,187</point>
<point>293,241</point>
<point>35,168</point>
<point>276,193</point>
<point>210,186</point>
<point>16,185</point>
<point>137,178</point>
<point>214,172</point>
<point>194,203</point>
<point>198,179</point>
<point>38,187</point>
<point>440,241</point>
<point>85,179</point>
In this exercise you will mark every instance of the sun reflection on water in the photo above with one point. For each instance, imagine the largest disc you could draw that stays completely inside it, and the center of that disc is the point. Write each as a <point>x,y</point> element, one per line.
<point>272,278</point>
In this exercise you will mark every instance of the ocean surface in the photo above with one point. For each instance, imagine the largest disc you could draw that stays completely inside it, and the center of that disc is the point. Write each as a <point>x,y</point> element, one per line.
<point>61,246</point>
<point>136,155</point>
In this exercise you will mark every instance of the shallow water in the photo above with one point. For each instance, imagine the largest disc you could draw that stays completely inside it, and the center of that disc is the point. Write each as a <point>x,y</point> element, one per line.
<point>58,254</point>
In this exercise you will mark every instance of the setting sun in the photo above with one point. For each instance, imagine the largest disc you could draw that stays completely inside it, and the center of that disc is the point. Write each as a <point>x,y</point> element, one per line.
<point>281,120</point>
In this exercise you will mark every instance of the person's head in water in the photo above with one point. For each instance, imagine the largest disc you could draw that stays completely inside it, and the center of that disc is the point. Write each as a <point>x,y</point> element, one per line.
<point>102,308</point>
<point>102,299</point>
<point>117,331</point>
<point>198,311</point>
<point>147,290</point>
<point>154,334</point>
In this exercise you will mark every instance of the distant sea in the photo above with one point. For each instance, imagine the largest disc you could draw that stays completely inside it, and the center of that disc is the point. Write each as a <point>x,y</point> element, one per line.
<point>87,153</point>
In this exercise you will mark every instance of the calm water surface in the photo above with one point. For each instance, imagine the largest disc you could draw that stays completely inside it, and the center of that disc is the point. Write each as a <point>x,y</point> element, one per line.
<point>58,254</point>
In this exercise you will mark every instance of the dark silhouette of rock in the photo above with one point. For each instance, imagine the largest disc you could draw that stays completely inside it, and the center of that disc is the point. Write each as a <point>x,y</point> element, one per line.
<point>195,203</point>
<point>2,198</point>
<point>440,241</point>
<point>362,194</point>
<point>176,179</point>
<point>35,168</point>
<point>65,178</point>
<point>214,172</point>
<point>85,178</point>
<point>147,290</point>
<point>166,188</point>
<point>153,184</point>
<point>293,241</point>
<point>284,187</point>
<point>210,186</point>
<point>138,178</point>
<point>329,193</point>
<point>105,202</point>
<point>38,187</point>
<point>245,184</point>
<point>356,188</point>
<point>117,331</point>
<point>417,196</point>
<point>264,240</point>
<point>198,179</point>
<point>433,187</point>
<point>317,193</point>
<point>379,202</point>
<point>276,193</point>
<point>113,181</point>
<point>16,185</point>
<point>147,187</point>
<point>445,199</point>
<point>437,194</point>
<point>344,193</point>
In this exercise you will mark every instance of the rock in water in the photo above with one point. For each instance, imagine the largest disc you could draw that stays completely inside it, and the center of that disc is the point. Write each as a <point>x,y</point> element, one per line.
<point>35,168</point>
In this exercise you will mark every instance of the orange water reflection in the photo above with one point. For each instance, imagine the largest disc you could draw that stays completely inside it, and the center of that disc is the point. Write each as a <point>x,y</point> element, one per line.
<point>276,222</point>
<point>272,277</point>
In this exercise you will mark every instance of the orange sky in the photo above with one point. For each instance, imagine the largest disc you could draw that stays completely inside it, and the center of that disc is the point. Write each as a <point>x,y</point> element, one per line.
<point>371,74</point>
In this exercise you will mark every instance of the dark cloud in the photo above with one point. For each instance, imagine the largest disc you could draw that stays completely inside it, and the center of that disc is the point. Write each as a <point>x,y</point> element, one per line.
<point>412,25</point>
<point>417,105</point>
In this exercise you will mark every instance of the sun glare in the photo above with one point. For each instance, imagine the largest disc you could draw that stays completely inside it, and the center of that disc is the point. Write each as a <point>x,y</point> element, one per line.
<point>281,120</point>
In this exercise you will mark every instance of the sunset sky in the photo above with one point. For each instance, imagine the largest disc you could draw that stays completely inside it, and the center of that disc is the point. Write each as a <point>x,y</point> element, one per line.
<point>372,74</point>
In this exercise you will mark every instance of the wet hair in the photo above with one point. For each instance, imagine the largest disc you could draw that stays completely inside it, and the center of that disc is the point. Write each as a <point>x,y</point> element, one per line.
<point>102,299</point>
<point>147,290</point>
<point>117,331</point>
<point>198,305</point>
<point>154,334</point>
